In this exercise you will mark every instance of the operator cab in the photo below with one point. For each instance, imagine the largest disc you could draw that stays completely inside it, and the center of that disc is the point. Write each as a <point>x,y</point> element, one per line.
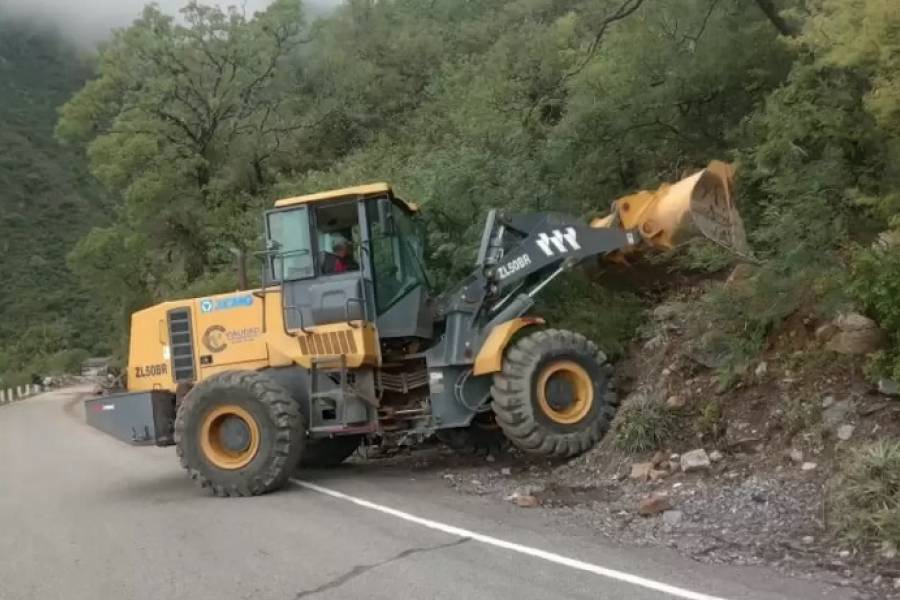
<point>353,255</point>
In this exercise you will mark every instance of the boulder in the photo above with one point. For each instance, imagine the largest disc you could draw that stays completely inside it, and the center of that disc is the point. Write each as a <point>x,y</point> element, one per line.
<point>525,501</point>
<point>889,387</point>
<point>825,332</point>
<point>836,414</point>
<point>845,432</point>
<point>716,456</point>
<point>856,334</point>
<point>710,350</point>
<point>675,402</point>
<point>808,466</point>
<point>657,474</point>
<point>641,471</point>
<point>741,272</point>
<point>672,517</point>
<point>695,460</point>
<point>761,369</point>
<point>654,504</point>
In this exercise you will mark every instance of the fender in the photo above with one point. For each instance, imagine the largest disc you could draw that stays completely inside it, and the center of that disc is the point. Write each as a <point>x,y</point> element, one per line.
<point>490,357</point>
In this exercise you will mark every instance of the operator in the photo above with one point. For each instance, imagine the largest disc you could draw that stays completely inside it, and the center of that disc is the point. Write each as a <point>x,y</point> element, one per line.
<point>340,259</point>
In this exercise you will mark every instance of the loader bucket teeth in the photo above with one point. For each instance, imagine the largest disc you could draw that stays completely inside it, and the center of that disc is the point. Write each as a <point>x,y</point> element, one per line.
<point>713,209</point>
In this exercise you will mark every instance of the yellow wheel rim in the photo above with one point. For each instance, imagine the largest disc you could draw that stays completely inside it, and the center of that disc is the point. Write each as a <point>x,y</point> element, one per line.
<point>582,389</point>
<point>212,437</point>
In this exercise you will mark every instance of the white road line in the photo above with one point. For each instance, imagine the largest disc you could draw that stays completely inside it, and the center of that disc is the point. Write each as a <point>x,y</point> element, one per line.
<point>520,548</point>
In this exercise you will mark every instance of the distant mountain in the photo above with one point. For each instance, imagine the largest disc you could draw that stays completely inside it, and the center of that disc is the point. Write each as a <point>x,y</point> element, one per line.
<point>48,200</point>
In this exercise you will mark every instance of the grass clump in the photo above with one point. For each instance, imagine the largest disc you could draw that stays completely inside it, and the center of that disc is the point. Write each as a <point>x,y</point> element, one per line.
<point>710,422</point>
<point>644,425</point>
<point>799,414</point>
<point>866,495</point>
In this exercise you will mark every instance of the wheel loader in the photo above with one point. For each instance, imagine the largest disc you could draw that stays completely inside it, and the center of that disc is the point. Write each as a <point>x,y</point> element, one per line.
<point>343,342</point>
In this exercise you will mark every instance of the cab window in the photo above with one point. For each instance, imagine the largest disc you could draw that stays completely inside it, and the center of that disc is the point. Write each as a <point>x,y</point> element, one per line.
<point>397,253</point>
<point>289,244</point>
<point>337,237</point>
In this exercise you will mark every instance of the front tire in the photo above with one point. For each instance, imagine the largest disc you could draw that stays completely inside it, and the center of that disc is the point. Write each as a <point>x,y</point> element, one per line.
<point>240,434</point>
<point>554,396</point>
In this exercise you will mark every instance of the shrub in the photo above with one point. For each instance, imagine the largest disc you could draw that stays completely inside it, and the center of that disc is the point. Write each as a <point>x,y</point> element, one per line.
<point>64,361</point>
<point>710,423</point>
<point>875,284</point>
<point>644,425</point>
<point>799,414</point>
<point>734,321</point>
<point>866,495</point>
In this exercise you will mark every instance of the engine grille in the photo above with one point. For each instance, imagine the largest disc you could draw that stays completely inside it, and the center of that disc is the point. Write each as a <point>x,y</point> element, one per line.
<point>181,345</point>
<point>404,381</point>
<point>327,344</point>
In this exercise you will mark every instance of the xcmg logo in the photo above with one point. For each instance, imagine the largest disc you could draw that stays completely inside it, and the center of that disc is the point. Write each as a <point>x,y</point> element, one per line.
<point>558,242</point>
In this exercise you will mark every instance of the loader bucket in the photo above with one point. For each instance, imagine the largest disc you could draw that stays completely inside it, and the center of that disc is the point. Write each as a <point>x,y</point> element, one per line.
<point>699,205</point>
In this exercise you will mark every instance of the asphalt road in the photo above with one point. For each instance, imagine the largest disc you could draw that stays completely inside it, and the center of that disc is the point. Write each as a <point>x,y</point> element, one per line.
<point>83,516</point>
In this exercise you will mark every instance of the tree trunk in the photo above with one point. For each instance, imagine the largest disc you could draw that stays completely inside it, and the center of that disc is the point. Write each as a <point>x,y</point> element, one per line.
<point>771,12</point>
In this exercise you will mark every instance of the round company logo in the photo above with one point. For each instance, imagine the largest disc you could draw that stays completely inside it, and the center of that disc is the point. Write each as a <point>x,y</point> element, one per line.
<point>214,338</point>
<point>206,305</point>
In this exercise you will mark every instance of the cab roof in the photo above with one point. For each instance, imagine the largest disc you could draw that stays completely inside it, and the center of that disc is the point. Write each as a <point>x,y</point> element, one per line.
<point>357,192</point>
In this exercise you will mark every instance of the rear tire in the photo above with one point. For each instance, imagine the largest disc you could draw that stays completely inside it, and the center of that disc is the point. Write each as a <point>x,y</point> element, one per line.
<point>329,452</point>
<point>481,438</point>
<point>554,396</point>
<point>240,434</point>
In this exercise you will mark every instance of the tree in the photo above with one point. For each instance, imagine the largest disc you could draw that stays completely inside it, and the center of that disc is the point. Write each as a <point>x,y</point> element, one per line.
<point>185,123</point>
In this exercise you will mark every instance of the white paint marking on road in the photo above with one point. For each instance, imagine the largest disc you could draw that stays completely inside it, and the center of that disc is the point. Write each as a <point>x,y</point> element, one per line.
<point>559,559</point>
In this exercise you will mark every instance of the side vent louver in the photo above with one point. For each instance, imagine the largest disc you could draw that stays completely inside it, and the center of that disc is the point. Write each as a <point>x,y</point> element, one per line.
<point>181,344</point>
<point>327,344</point>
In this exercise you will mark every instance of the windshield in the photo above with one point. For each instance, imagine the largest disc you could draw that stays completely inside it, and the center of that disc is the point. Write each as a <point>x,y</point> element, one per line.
<point>289,245</point>
<point>397,256</point>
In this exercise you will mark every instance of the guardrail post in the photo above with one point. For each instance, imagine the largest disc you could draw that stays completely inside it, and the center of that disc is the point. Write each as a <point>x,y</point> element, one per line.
<point>18,392</point>
<point>2,396</point>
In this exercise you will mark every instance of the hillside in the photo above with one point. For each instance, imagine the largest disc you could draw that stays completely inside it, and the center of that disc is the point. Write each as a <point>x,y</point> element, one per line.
<point>47,200</point>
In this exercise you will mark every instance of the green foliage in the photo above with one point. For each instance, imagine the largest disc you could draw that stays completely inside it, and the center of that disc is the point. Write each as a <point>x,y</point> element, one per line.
<point>875,283</point>
<point>645,424</point>
<point>195,124</point>
<point>709,422</point>
<point>188,124</point>
<point>799,414</point>
<point>705,256</point>
<point>733,322</point>
<point>47,202</point>
<point>610,319</point>
<point>865,496</point>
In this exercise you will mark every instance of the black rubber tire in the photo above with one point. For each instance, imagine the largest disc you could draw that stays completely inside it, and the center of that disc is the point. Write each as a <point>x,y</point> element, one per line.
<point>281,428</point>
<point>329,452</point>
<point>515,402</point>
<point>482,438</point>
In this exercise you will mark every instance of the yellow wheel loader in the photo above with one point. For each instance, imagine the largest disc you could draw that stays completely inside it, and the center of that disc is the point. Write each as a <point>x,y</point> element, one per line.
<point>343,342</point>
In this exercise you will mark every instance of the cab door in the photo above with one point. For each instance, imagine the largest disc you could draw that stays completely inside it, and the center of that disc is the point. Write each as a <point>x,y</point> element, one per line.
<point>315,292</point>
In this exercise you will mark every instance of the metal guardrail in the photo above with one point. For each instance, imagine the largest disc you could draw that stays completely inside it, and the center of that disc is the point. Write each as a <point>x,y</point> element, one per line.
<point>20,392</point>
